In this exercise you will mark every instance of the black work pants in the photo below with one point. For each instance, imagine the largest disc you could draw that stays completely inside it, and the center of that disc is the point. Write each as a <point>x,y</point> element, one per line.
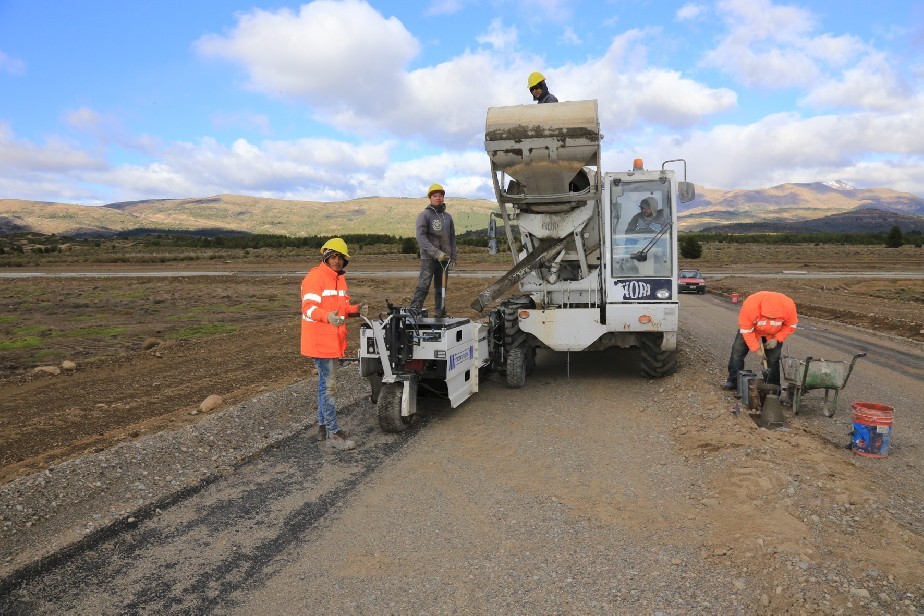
<point>429,269</point>
<point>740,351</point>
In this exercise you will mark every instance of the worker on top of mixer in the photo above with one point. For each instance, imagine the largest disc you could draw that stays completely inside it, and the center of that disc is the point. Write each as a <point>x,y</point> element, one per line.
<point>539,89</point>
<point>766,319</point>
<point>436,236</point>
<point>649,219</point>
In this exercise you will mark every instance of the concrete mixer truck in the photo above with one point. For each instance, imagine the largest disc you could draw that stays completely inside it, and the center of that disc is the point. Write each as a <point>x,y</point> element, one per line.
<point>594,253</point>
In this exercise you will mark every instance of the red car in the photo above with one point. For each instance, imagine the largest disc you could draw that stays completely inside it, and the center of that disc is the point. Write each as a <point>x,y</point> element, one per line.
<point>691,281</point>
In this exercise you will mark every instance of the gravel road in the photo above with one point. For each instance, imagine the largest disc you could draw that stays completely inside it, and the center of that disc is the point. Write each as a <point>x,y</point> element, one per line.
<point>588,491</point>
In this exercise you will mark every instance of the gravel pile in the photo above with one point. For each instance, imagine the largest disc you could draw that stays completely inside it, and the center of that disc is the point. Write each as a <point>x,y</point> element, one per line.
<point>46,512</point>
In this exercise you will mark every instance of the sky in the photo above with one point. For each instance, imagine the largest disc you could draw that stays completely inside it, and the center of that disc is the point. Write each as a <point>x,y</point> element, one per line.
<point>107,100</point>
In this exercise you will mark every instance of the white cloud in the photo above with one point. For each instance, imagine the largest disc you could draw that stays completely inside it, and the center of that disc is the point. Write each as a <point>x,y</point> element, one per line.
<point>445,7</point>
<point>11,65</point>
<point>319,169</point>
<point>569,37</point>
<point>872,84</point>
<point>327,54</point>
<point>282,53</point>
<point>249,121</point>
<point>498,37</point>
<point>771,46</point>
<point>55,155</point>
<point>639,94</point>
<point>690,12</point>
<point>787,147</point>
<point>84,118</point>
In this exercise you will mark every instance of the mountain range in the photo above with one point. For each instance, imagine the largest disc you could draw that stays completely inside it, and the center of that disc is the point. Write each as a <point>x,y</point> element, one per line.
<point>833,207</point>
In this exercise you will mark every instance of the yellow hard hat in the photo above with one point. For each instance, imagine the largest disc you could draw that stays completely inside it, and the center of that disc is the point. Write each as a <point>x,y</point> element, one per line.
<point>435,188</point>
<point>535,78</point>
<point>337,244</point>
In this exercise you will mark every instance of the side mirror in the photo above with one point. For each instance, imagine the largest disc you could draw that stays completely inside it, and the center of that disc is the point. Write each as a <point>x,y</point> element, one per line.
<point>687,191</point>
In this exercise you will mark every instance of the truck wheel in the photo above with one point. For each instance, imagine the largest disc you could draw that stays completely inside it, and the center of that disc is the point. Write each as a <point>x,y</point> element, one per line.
<point>389,408</point>
<point>513,336</point>
<point>655,362</point>
<point>516,368</point>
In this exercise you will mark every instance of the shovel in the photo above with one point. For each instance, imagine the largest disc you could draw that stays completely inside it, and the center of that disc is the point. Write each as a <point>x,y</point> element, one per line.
<point>442,310</point>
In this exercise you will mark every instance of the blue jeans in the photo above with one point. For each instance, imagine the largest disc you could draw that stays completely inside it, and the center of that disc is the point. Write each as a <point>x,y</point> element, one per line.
<point>740,351</point>
<point>429,269</point>
<point>327,408</point>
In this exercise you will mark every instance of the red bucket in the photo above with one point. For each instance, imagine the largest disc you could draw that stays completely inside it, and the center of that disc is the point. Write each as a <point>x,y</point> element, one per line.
<point>734,298</point>
<point>872,429</point>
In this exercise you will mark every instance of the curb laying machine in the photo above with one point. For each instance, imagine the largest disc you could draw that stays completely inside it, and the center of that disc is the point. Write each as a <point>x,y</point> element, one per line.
<point>593,273</point>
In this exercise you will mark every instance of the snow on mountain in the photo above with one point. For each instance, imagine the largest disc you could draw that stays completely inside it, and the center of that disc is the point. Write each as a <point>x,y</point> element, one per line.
<point>839,185</point>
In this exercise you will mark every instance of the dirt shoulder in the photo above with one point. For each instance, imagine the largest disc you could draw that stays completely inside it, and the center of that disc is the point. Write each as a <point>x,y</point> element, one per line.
<point>149,350</point>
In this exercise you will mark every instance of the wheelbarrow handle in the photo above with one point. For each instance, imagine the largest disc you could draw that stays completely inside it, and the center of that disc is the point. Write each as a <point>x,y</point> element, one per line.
<point>850,369</point>
<point>808,361</point>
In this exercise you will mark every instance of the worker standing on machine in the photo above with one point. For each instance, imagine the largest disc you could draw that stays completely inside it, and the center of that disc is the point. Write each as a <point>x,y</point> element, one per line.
<point>325,307</point>
<point>436,236</point>
<point>766,319</point>
<point>539,89</point>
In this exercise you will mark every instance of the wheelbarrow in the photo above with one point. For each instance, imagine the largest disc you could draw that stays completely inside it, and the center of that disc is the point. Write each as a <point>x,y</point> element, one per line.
<point>803,375</point>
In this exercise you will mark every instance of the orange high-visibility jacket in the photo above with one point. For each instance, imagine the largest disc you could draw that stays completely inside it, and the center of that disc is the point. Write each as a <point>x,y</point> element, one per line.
<point>754,323</point>
<point>324,291</point>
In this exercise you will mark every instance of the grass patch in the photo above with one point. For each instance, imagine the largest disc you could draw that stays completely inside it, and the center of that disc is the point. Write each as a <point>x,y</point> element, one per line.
<point>131,295</point>
<point>7,318</point>
<point>202,331</point>
<point>94,332</point>
<point>27,330</point>
<point>43,356</point>
<point>25,342</point>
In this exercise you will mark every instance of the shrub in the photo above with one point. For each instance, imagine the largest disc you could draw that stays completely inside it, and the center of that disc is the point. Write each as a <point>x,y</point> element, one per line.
<point>408,245</point>
<point>894,238</point>
<point>690,248</point>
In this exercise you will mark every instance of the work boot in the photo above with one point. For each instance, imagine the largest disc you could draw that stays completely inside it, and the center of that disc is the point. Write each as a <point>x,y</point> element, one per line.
<point>337,441</point>
<point>322,433</point>
<point>440,314</point>
<point>729,385</point>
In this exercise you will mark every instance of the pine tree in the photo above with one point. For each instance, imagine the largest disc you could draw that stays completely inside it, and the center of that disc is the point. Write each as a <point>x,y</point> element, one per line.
<point>894,238</point>
<point>690,248</point>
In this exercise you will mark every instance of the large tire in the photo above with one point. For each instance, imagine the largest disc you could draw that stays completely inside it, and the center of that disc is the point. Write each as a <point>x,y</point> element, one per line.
<point>655,362</point>
<point>516,368</point>
<point>513,336</point>
<point>389,408</point>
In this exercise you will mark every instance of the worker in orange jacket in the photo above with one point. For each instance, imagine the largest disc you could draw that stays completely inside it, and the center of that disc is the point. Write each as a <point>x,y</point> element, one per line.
<point>325,307</point>
<point>767,318</point>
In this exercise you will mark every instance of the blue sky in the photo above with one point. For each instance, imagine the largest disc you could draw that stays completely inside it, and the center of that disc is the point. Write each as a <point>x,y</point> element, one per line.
<point>108,101</point>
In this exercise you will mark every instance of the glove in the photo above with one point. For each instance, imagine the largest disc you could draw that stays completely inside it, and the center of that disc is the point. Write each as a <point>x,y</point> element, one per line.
<point>335,319</point>
<point>452,264</point>
<point>442,256</point>
<point>363,309</point>
<point>771,344</point>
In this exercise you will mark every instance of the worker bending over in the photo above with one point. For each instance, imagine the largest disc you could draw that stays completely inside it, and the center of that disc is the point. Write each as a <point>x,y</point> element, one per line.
<point>767,318</point>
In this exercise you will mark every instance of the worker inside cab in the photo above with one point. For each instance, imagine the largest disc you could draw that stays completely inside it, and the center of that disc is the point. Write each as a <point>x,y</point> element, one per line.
<point>640,225</point>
